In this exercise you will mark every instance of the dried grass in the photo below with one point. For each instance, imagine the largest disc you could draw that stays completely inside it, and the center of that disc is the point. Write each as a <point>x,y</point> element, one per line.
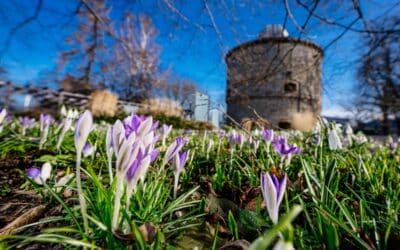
<point>158,106</point>
<point>303,121</point>
<point>103,103</point>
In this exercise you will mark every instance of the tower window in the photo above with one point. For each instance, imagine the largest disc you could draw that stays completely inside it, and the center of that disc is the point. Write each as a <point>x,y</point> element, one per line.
<point>290,87</point>
<point>284,125</point>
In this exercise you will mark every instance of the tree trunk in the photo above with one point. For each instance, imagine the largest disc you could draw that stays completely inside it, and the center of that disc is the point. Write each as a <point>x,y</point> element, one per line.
<point>398,124</point>
<point>385,122</point>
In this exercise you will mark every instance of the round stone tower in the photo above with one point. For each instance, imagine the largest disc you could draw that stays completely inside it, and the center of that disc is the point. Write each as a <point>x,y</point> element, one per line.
<point>276,78</point>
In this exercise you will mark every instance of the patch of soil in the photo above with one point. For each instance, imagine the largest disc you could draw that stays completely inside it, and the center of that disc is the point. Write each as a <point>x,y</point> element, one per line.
<point>10,167</point>
<point>15,202</point>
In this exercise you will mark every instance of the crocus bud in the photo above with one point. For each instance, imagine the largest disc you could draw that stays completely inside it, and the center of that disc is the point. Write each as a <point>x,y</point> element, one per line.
<point>173,149</point>
<point>63,111</point>
<point>268,135</point>
<point>180,161</point>
<point>82,129</point>
<point>165,130</point>
<point>273,190</point>
<point>334,140</point>
<point>118,136</point>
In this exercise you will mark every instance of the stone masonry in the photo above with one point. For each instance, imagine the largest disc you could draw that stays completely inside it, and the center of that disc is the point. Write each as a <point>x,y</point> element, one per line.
<point>278,79</point>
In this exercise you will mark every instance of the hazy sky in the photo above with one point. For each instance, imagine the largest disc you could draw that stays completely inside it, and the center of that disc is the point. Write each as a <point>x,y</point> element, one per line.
<point>195,36</point>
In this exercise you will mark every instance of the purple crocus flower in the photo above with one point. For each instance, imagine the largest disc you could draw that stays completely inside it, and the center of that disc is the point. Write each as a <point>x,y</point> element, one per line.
<point>133,141</point>
<point>26,123</point>
<point>33,172</point>
<point>9,118</point>
<point>140,125</point>
<point>180,161</point>
<point>132,123</point>
<point>393,146</point>
<point>236,138</point>
<point>284,149</point>
<point>45,121</point>
<point>83,127</point>
<point>232,138</point>
<point>173,149</point>
<point>165,130</point>
<point>317,139</point>
<point>40,175</point>
<point>273,190</point>
<point>268,135</point>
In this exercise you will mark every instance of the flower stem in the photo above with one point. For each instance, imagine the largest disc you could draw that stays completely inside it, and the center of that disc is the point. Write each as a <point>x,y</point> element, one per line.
<point>110,168</point>
<point>176,180</point>
<point>117,202</point>
<point>82,200</point>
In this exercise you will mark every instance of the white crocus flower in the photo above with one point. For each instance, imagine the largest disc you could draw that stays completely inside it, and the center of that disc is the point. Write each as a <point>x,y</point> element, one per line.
<point>3,115</point>
<point>349,133</point>
<point>63,111</point>
<point>334,140</point>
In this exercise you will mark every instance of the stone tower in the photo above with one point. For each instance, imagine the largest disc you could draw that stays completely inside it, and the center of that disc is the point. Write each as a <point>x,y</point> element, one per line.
<point>276,78</point>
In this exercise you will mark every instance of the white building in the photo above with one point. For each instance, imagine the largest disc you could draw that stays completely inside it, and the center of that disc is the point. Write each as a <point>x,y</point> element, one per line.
<point>201,106</point>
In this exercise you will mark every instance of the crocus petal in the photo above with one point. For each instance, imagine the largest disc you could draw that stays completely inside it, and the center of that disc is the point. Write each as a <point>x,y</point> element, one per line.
<point>118,135</point>
<point>174,148</point>
<point>127,154</point>
<point>33,172</point>
<point>46,171</point>
<point>87,150</point>
<point>283,245</point>
<point>154,154</point>
<point>109,137</point>
<point>145,127</point>
<point>282,188</point>
<point>144,166</point>
<point>268,135</point>
<point>82,129</point>
<point>270,196</point>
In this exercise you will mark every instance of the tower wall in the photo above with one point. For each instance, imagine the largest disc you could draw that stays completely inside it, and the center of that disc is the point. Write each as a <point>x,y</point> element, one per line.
<point>278,79</point>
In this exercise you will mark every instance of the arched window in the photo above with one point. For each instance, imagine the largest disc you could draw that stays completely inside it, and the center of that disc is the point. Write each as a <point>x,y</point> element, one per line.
<point>284,124</point>
<point>290,87</point>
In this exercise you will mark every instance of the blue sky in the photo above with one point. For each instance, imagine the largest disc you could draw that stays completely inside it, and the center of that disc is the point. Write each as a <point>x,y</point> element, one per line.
<point>194,40</point>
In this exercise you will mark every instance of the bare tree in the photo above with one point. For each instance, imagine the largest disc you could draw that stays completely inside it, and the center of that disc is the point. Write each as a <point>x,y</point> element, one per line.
<point>137,54</point>
<point>379,75</point>
<point>84,57</point>
<point>179,89</point>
